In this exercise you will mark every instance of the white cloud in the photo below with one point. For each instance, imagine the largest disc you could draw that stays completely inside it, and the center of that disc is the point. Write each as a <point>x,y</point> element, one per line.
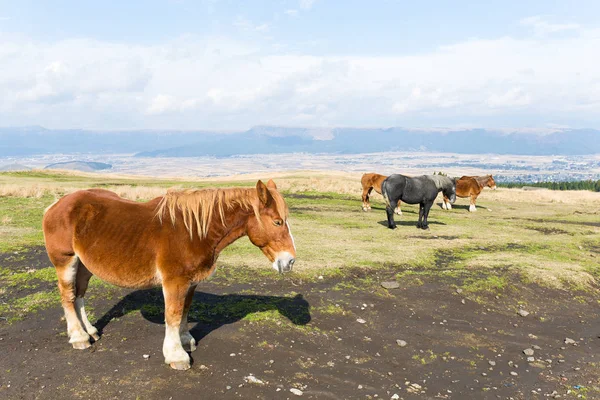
<point>220,83</point>
<point>542,27</point>
<point>292,13</point>
<point>307,4</point>
<point>247,25</point>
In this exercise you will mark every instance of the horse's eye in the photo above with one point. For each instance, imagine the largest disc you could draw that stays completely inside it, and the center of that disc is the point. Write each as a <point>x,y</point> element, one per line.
<point>278,222</point>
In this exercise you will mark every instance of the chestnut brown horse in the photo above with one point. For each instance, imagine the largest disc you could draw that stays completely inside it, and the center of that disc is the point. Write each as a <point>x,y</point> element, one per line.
<point>470,186</point>
<point>372,181</point>
<point>172,241</point>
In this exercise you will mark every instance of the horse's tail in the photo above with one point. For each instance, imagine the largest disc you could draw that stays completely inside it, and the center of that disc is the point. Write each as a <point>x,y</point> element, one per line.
<point>384,193</point>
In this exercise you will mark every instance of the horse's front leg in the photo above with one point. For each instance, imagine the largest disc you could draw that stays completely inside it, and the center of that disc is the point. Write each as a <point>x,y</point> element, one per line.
<point>398,210</point>
<point>187,340</point>
<point>175,293</point>
<point>426,209</point>
<point>472,207</point>
<point>419,224</point>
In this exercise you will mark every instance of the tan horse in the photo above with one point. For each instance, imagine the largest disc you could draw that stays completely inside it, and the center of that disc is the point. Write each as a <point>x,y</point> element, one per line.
<point>172,241</point>
<point>470,186</point>
<point>373,181</point>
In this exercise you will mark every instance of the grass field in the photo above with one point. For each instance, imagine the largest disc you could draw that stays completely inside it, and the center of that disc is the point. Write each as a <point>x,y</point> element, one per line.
<point>520,249</point>
<point>545,237</point>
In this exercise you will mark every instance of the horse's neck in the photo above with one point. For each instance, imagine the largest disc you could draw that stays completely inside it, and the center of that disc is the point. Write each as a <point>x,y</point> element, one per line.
<point>234,228</point>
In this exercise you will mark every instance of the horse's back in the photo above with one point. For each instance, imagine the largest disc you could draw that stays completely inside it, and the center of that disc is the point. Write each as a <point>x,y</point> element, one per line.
<point>87,214</point>
<point>467,186</point>
<point>106,233</point>
<point>372,180</point>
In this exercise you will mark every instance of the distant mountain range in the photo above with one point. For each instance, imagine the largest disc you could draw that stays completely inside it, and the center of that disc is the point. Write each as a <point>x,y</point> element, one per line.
<point>259,140</point>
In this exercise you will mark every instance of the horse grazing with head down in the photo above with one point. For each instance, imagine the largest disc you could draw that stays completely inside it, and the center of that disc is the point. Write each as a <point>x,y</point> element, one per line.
<point>470,186</point>
<point>172,241</point>
<point>373,181</point>
<point>420,190</point>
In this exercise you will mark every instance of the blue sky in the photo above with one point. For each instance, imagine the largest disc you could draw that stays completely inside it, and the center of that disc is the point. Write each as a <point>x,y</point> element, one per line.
<point>218,64</point>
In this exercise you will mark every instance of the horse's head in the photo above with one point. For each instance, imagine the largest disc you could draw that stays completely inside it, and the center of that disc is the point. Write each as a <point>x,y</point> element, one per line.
<point>449,190</point>
<point>269,229</point>
<point>491,183</point>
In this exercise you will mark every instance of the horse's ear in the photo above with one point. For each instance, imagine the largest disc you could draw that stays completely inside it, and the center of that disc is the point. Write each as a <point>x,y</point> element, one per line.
<point>263,193</point>
<point>271,184</point>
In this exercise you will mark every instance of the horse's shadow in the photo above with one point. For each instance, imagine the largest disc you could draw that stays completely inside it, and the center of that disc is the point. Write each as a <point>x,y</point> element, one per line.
<point>405,211</point>
<point>404,222</point>
<point>209,311</point>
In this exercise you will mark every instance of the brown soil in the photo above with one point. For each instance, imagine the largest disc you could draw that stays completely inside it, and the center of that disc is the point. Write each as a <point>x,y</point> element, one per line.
<point>328,355</point>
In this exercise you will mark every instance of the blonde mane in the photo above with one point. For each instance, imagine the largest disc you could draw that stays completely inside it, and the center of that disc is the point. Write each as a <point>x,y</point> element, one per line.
<point>197,206</point>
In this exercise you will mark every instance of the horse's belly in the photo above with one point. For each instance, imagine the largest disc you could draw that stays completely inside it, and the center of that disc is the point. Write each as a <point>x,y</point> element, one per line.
<point>129,275</point>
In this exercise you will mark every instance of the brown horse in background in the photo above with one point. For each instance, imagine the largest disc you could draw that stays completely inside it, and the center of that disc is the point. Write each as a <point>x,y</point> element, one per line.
<point>470,186</point>
<point>372,181</point>
<point>172,241</point>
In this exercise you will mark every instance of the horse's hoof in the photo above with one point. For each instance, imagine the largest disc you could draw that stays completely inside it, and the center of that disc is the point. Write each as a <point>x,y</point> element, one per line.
<point>180,365</point>
<point>425,228</point>
<point>190,347</point>
<point>95,336</point>
<point>365,209</point>
<point>81,345</point>
<point>392,227</point>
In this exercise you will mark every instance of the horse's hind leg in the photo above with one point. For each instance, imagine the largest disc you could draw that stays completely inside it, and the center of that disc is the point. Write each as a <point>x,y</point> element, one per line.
<point>82,280</point>
<point>66,270</point>
<point>365,198</point>
<point>390,217</point>
<point>187,340</point>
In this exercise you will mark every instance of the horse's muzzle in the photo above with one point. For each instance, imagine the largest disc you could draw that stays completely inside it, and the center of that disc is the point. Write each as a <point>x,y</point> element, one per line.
<point>284,262</point>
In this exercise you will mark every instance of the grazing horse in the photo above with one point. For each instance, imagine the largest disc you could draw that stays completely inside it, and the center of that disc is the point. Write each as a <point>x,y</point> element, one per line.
<point>373,181</point>
<point>470,186</point>
<point>172,241</point>
<point>420,190</point>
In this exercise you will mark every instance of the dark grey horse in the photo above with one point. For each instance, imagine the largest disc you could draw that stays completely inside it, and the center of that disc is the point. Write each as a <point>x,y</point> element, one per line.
<point>420,190</point>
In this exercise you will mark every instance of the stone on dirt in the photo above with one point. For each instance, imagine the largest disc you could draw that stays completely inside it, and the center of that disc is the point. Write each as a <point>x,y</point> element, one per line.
<point>390,285</point>
<point>528,352</point>
<point>297,392</point>
<point>523,313</point>
<point>401,343</point>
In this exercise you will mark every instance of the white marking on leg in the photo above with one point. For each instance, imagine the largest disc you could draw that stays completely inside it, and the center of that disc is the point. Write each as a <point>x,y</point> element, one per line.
<point>292,236</point>
<point>449,207</point>
<point>398,211</point>
<point>472,208</point>
<point>80,309</point>
<point>172,348</point>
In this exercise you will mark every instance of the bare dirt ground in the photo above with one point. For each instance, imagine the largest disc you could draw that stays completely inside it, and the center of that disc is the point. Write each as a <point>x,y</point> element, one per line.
<point>332,338</point>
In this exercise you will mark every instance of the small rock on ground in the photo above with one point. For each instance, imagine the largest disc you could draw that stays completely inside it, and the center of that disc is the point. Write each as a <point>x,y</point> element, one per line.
<point>401,343</point>
<point>297,392</point>
<point>528,352</point>
<point>390,285</point>
<point>523,313</point>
